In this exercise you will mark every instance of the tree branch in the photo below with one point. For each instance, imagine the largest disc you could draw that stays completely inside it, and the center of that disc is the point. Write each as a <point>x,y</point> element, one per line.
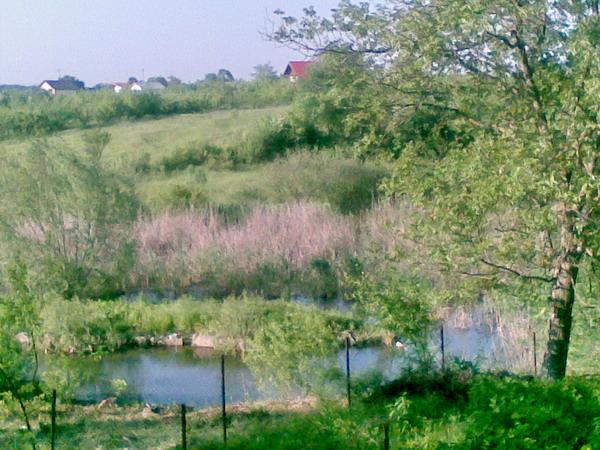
<point>517,273</point>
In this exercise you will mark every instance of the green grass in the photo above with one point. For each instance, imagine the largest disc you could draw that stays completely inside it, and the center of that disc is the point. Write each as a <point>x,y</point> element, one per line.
<point>482,412</point>
<point>346,184</point>
<point>349,186</point>
<point>160,137</point>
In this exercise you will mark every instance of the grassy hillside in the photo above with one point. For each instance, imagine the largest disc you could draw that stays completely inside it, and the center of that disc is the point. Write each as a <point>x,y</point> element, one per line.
<point>163,156</point>
<point>159,137</point>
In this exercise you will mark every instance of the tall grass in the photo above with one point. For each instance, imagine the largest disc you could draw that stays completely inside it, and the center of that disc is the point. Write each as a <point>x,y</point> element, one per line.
<point>273,246</point>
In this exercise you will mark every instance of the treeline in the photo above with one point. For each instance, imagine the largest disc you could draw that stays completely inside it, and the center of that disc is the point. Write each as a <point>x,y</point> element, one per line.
<point>25,114</point>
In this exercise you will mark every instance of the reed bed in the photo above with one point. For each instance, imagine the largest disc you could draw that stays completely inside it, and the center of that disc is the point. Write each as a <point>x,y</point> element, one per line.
<point>189,247</point>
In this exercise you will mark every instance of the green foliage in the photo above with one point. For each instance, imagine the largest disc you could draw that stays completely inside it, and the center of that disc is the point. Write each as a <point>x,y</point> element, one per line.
<point>288,352</point>
<point>496,413</point>
<point>347,185</point>
<point>508,413</point>
<point>402,305</point>
<point>191,154</point>
<point>39,115</point>
<point>493,116</point>
<point>69,222</point>
<point>106,326</point>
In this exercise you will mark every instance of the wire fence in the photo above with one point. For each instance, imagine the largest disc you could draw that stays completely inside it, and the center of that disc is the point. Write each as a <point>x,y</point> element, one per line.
<point>386,434</point>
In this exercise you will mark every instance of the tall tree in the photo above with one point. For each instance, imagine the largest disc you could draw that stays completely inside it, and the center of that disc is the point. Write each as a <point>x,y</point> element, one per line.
<point>510,199</point>
<point>264,72</point>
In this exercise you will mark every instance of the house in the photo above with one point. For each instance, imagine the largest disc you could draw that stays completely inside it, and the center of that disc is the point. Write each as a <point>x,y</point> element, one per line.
<point>297,69</point>
<point>136,86</point>
<point>146,86</point>
<point>61,87</point>
<point>119,87</point>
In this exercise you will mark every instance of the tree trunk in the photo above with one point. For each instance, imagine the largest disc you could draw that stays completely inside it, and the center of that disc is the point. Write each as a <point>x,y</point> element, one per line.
<point>566,268</point>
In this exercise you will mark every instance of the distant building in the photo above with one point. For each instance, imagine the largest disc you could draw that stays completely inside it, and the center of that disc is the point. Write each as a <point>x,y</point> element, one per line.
<point>118,87</point>
<point>136,86</point>
<point>144,86</point>
<point>297,69</point>
<point>61,87</point>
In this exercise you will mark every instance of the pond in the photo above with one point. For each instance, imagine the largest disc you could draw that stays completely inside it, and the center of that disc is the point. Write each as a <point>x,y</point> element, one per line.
<point>193,376</point>
<point>185,375</point>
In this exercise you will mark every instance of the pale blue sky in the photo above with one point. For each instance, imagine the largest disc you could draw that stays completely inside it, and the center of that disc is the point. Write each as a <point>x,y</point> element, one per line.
<point>110,40</point>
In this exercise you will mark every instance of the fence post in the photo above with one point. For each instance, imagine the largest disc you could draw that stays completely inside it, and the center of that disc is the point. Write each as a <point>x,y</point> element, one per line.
<point>183,427</point>
<point>386,435</point>
<point>53,421</point>
<point>348,385</point>
<point>443,347</point>
<point>223,400</point>
<point>534,354</point>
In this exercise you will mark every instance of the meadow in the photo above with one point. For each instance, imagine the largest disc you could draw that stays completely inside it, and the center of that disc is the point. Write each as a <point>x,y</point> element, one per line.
<point>249,213</point>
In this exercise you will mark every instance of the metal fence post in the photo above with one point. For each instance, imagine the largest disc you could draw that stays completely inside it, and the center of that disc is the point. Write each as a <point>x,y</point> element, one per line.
<point>442,344</point>
<point>183,427</point>
<point>223,400</point>
<point>53,421</point>
<point>386,435</point>
<point>348,383</point>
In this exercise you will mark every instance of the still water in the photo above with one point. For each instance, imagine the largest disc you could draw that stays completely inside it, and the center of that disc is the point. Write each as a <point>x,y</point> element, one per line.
<point>185,375</point>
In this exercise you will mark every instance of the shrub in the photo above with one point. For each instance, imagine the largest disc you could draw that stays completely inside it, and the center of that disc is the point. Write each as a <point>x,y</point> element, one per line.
<point>105,326</point>
<point>347,185</point>
<point>70,222</point>
<point>511,413</point>
<point>191,154</point>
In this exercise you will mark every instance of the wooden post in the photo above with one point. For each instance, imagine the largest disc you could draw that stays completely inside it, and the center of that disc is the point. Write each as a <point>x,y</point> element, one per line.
<point>53,421</point>
<point>386,435</point>
<point>534,354</point>
<point>223,400</point>
<point>348,384</point>
<point>183,427</point>
<point>442,345</point>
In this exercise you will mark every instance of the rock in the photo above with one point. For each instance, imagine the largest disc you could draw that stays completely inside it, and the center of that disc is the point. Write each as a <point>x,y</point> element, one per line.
<point>173,340</point>
<point>107,402</point>
<point>148,413</point>
<point>153,409</point>
<point>140,341</point>
<point>203,341</point>
<point>23,339</point>
<point>388,339</point>
<point>240,348</point>
<point>400,346</point>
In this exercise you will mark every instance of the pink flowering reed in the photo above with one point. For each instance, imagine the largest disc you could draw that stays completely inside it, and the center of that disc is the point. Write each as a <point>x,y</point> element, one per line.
<point>188,243</point>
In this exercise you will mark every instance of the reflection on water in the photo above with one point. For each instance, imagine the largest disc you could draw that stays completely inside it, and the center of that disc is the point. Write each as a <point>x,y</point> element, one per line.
<point>170,376</point>
<point>166,376</point>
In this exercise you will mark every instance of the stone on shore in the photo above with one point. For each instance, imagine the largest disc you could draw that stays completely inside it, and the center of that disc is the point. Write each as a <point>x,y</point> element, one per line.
<point>200,340</point>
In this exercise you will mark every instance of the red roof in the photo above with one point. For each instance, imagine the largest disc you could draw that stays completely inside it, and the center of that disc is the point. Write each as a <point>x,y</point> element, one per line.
<point>297,68</point>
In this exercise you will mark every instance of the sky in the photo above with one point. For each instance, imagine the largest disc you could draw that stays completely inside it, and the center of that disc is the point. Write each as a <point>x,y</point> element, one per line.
<point>111,40</point>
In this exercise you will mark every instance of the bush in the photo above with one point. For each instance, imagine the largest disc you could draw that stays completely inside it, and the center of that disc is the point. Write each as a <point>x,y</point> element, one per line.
<point>106,326</point>
<point>70,223</point>
<point>511,413</point>
<point>347,185</point>
<point>192,154</point>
